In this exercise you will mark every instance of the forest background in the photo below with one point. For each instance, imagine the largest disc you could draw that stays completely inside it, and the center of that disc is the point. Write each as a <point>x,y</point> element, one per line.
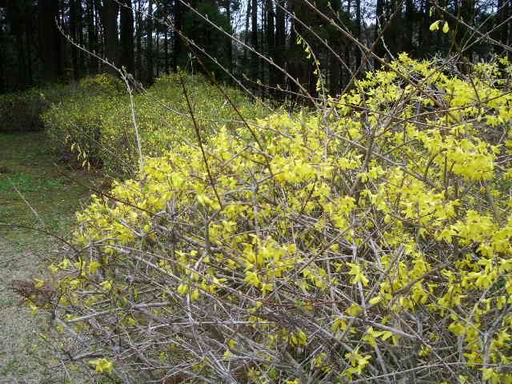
<point>144,37</point>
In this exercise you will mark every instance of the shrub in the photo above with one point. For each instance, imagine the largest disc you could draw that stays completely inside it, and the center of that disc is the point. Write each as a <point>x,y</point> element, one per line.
<point>100,128</point>
<point>21,111</point>
<point>74,123</point>
<point>370,240</point>
<point>102,84</point>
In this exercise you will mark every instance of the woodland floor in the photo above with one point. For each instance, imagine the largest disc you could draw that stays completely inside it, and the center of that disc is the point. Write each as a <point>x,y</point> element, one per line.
<point>35,191</point>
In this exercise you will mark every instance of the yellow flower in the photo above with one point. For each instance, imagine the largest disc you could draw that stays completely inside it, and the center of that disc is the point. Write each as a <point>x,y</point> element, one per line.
<point>358,276</point>
<point>102,365</point>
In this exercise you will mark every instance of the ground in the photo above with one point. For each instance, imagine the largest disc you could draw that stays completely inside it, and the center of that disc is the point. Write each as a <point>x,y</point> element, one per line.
<point>36,191</point>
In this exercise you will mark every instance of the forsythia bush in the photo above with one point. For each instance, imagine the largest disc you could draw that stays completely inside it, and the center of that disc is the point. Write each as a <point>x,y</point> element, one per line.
<point>370,240</point>
<point>74,124</point>
<point>96,125</point>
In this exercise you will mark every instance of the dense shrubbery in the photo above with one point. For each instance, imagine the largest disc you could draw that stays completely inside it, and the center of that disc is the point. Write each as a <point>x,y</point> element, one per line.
<point>74,124</point>
<point>21,111</point>
<point>99,128</point>
<point>367,240</point>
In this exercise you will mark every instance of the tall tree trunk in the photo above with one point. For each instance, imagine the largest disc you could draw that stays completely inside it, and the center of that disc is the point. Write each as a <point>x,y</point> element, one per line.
<point>229,43</point>
<point>110,29</point>
<point>358,32</point>
<point>157,54</point>
<point>348,52</point>
<point>247,34</point>
<point>16,15</point>
<point>280,41</point>
<point>21,62</point>
<point>138,41</point>
<point>499,19</point>
<point>167,7</point>
<point>149,43</point>
<point>166,51</point>
<point>335,73</point>
<point>507,31</point>
<point>126,36</point>
<point>81,38</point>
<point>424,32</point>
<point>409,26</point>
<point>74,14</point>
<point>29,45</point>
<point>254,39</point>
<point>49,40</point>
<point>177,43</point>
<point>92,38</point>
<point>296,64</point>
<point>393,22</point>
<point>270,38</point>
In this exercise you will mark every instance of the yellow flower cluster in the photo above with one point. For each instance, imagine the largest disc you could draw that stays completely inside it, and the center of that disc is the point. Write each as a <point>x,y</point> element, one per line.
<point>335,241</point>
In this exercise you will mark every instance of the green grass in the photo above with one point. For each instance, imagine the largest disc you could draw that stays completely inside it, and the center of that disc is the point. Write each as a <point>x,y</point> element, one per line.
<point>26,183</point>
<point>31,180</point>
<point>37,195</point>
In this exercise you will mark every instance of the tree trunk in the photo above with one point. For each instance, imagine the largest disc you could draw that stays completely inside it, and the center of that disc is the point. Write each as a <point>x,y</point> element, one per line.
<point>166,51</point>
<point>177,43</point>
<point>49,40</point>
<point>254,39</point>
<point>409,26</point>
<point>157,54</point>
<point>92,38</point>
<point>271,39</point>
<point>138,41</point>
<point>229,43</point>
<point>110,29</point>
<point>126,36</point>
<point>507,30</point>
<point>280,41</point>
<point>347,49</point>
<point>149,44</point>
<point>335,72</point>
<point>358,32</point>
<point>74,14</point>
<point>16,16</point>
<point>424,32</point>
<point>247,23</point>
<point>29,44</point>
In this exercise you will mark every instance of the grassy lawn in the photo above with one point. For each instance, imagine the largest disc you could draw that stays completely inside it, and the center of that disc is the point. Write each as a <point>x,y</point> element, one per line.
<point>35,192</point>
<point>31,180</point>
